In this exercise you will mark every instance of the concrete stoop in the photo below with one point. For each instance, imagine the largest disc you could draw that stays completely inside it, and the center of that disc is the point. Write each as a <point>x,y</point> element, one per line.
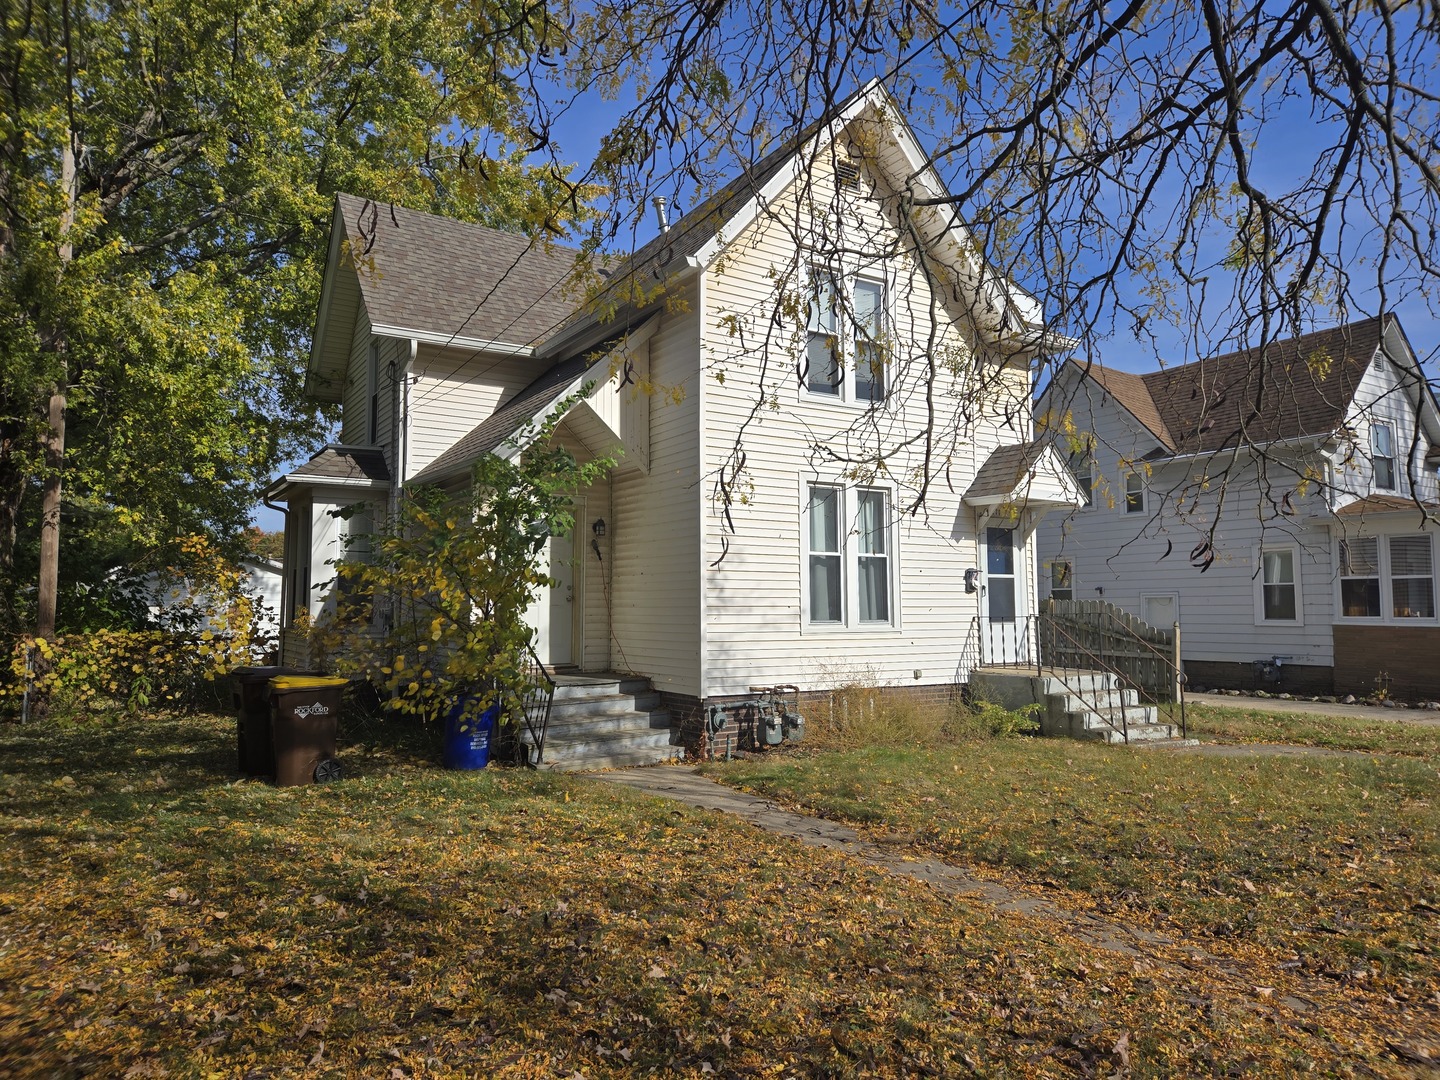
<point>1090,706</point>
<point>606,722</point>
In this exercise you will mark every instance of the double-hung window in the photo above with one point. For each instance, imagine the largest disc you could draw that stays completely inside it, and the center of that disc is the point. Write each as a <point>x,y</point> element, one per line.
<point>1382,455</point>
<point>1360,578</point>
<point>1412,577</point>
<point>1134,493</point>
<point>1278,587</point>
<point>1082,468</point>
<point>844,336</point>
<point>849,561</point>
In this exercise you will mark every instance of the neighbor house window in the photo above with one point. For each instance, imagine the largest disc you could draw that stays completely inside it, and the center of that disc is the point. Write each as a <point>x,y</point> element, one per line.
<point>850,576</point>
<point>844,336</point>
<point>1134,493</point>
<point>1062,580</point>
<point>1412,577</point>
<point>1279,592</point>
<point>1382,455</point>
<point>1360,578</point>
<point>1082,467</point>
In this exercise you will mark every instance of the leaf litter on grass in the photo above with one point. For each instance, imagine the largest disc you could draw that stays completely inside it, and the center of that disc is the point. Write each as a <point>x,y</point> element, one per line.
<point>513,924</point>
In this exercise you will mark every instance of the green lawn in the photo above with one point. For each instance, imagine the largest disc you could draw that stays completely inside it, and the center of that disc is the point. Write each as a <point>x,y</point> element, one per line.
<point>1324,865</point>
<point>160,918</point>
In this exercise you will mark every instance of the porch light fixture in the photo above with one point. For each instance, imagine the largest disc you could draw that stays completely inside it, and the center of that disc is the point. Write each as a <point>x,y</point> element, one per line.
<point>598,528</point>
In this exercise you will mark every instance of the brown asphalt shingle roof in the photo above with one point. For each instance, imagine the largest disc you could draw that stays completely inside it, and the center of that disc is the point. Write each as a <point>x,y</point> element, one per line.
<point>1305,387</point>
<point>1382,504</point>
<point>336,462</point>
<point>442,276</point>
<point>1004,470</point>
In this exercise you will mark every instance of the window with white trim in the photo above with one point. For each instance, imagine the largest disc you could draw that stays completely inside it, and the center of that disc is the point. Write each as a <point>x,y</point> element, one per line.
<point>1382,455</point>
<point>1279,588</point>
<point>1360,578</point>
<point>372,392</point>
<point>1134,493</point>
<point>1062,579</point>
<point>1412,577</point>
<point>845,329</point>
<point>1082,468</point>
<point>849,572</point>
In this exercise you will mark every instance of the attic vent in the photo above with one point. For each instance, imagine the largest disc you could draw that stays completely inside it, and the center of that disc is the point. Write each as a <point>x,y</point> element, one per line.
<point>847,174</point>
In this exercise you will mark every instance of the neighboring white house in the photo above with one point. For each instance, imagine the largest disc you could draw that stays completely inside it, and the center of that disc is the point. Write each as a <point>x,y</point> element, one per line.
<point>1286,522</point>
<point>823,349</point>
<point>171,598</point>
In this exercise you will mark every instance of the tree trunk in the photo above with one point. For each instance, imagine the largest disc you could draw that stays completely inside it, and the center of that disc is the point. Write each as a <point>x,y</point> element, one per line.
<point>48,586</point>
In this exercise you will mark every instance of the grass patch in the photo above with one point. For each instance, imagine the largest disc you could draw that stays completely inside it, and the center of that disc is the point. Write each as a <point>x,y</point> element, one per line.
<point>158,917</point>
<point>1326,865</point>
<point>1242,725</point>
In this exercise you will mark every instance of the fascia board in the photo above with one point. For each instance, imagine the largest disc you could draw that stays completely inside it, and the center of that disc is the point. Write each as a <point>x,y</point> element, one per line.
<point>429,337</point>
<point>322,312</point>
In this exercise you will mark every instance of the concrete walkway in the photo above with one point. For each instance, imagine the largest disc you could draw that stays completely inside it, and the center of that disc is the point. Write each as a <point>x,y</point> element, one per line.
<point>1357,711</point>
<point>683,784</point>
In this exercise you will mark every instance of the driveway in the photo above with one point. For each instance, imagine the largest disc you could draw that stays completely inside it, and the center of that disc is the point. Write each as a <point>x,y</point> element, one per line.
<point>1319,708</point>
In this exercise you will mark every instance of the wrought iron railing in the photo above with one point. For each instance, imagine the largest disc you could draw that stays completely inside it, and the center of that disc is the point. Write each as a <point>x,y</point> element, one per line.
<point>1056,644</point>
<point>533,708</point>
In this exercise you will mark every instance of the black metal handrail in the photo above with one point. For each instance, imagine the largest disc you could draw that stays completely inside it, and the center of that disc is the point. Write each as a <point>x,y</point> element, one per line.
<point>534,703</point>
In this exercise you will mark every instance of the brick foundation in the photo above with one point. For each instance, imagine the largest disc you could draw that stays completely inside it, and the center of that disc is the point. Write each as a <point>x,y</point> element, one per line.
<point>1409,655</point>
<point>1293,678</point>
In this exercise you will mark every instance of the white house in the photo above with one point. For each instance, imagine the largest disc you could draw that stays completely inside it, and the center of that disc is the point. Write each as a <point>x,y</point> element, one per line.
<point>1286,520</point>
<point>801,414</point>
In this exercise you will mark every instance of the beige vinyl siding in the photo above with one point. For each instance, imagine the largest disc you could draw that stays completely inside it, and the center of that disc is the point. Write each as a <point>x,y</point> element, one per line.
<point>755,622</point>
<point>653,542</point>
<point>1120,557</point>
<point>592,648</point>
<point>353,404</point>
<point>454,390</point>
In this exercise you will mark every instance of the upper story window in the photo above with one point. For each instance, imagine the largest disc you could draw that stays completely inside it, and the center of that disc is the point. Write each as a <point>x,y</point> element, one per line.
<point>372,393</point>
<point>1082,468</point>
<point>1134,493</point>
<point>1382,455</point>
<point>844,333</point>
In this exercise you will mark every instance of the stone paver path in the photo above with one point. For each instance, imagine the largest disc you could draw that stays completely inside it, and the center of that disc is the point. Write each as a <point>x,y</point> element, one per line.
<point>683,784</point>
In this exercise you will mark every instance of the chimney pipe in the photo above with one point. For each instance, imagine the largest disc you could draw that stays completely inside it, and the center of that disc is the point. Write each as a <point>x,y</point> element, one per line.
<point>660,215</point>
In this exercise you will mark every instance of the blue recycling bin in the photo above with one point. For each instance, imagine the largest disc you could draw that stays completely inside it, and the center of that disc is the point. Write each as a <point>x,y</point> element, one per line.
<point>467,742</point>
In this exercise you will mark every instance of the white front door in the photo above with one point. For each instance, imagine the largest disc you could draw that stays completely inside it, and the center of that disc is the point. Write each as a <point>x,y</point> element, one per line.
<point>1002,607</point>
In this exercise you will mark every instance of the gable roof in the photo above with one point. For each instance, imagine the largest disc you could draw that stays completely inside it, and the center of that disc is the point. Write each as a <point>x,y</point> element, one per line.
<point>1304,388</point>
<point>1027,474</point>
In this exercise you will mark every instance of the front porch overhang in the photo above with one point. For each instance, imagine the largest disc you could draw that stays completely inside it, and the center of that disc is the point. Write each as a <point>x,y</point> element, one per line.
<point>1022,480</point>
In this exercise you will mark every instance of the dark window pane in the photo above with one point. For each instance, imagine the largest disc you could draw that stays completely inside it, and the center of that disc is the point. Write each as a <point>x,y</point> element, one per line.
<point>1280,602</point>
<point>874,589</point>
<point>1414,598</point>
<point>825,589</point>
<point>1000,551</point>
<point>1360,598</point>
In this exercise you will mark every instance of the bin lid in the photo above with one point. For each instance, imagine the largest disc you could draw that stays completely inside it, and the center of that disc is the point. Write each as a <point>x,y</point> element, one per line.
<point>306,682</point>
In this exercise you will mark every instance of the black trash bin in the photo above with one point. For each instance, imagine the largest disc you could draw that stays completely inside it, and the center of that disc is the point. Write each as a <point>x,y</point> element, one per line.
<point>250,694</point>
<point>304,720</point>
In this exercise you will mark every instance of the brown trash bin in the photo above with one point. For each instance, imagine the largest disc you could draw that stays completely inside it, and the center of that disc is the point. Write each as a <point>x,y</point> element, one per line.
<point>250,695</point>
<point>304,720</point>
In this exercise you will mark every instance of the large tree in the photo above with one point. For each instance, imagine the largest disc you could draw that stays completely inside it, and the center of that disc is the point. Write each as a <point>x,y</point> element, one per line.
<point>166,175</point>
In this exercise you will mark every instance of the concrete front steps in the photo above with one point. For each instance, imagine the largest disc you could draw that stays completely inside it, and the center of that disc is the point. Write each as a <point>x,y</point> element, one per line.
<point>1089,705</point>
<point>606,722</point>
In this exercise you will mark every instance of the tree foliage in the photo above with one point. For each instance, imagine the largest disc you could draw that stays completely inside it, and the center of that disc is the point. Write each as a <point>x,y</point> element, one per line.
<point>171,287</point>
<point>435,610</point>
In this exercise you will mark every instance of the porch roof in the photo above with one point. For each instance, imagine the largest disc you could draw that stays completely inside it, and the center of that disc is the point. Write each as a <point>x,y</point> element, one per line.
<point>1386,504</point>
<point>1029,475</point>
<point>336,465</point>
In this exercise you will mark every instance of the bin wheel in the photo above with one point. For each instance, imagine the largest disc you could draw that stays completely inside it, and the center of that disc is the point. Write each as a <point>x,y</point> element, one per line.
<point>327,771</point>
